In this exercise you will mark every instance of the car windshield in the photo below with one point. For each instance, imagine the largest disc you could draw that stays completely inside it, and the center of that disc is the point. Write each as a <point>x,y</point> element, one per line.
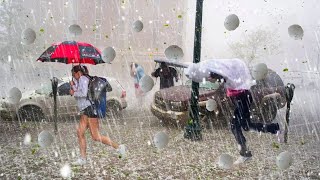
<point>45,89</point>
<point>205,85</point>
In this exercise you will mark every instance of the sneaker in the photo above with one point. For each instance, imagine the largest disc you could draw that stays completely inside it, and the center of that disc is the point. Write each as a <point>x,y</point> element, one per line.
<point>80,162</point>
<point>280,136</point>
<point>121,151</point>
<point>242,159</point>
<point>245,155</point>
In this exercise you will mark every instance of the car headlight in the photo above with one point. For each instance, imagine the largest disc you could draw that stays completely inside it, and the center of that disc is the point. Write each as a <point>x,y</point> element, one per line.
<point>3,105</point>
<point>176,104</point>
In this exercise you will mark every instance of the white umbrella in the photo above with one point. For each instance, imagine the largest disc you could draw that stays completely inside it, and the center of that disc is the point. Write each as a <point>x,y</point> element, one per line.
<point>235,72</point>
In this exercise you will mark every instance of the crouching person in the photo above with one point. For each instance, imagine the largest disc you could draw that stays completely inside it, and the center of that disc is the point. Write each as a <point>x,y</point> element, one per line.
<point>237,80</point>
<point>89,116</point>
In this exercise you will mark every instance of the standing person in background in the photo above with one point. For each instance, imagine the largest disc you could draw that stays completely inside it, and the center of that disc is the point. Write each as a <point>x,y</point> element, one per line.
<point>166,75</point>
<point>137,72</point>
<point>89,116</point>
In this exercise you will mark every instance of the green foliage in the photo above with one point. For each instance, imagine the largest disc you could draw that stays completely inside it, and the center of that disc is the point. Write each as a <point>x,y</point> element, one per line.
<point>24,126</point>
<point>14,152</point>
<point>275,145</point>
<point>75,169</point>
<point>35,149</point>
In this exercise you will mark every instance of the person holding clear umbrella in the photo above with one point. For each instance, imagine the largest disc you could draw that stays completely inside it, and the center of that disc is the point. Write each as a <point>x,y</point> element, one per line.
<point>237,80</point>
<point>89,116</point>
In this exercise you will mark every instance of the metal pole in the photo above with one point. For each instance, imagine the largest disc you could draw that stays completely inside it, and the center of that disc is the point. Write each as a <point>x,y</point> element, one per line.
<point>193,128</point>
<point>289,90</point>
<point>54,83</point>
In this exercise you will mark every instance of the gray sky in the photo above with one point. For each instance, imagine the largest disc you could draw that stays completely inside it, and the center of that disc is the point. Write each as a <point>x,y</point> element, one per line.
<point>270,14</point>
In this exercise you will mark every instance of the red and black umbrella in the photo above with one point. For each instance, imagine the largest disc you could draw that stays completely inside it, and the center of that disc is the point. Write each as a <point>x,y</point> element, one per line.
<point>71,52</point>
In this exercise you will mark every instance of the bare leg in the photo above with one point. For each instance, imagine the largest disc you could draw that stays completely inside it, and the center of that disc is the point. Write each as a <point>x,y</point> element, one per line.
<point>83,126</point>
<point>95,134</point>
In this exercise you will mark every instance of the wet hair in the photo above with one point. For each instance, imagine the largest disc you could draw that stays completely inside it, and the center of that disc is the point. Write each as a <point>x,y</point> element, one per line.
<point>216,76</point>
<point>83,69</point>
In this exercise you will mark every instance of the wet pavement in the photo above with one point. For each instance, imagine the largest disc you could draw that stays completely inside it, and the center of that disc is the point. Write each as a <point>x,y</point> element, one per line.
<point>181,159</point>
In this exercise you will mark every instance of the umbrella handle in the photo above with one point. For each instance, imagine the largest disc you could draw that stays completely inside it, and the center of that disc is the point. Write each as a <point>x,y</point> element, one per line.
<point>71,76</point>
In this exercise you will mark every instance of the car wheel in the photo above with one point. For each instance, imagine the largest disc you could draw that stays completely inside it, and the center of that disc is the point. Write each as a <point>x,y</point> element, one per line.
<point>114,109</point>
<point>30,113</point>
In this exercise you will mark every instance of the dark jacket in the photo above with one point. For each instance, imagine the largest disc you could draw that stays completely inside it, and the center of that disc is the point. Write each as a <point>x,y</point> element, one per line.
<point>166,75</point>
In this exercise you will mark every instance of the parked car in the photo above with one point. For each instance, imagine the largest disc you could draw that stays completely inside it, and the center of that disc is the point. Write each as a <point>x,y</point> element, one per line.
<point>171,105</point>
<point>38,104</point>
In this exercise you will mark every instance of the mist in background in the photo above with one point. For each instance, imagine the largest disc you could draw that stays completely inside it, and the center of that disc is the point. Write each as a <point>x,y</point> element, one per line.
<point>109,23</point>
<point>273,17</point>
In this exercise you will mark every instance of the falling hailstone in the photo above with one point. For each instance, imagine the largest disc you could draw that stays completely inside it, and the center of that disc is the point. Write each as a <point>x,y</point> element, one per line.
<point>65,171</point>
<point>108,54</point>
<point>295,31</point>
<point>211,105</point>
<point>14,95</point>
<point>28,36</point>
<point>260,71</point>
<point>146,83</point>
<point>174,52</point>
<point>75,29</point>
<point>231,22</point>
<point>161,140</point>
<point>137,26</point>
<point>73,154</point>
<point>284,160</point>
<point>45,139</point>
<point>225,161</point>
<point>27,139</point>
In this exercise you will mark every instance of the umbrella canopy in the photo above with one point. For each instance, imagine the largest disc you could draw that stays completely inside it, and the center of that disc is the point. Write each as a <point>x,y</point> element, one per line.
<point>72,52</point>
<point>235,71</point>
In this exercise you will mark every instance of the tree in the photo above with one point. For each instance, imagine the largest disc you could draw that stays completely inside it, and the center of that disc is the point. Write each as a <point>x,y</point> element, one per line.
<point>256,45</point>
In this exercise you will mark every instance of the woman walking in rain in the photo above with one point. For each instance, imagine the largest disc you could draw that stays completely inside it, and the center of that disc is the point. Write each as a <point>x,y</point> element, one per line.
<point>237,80</point>
<point>89,117</point>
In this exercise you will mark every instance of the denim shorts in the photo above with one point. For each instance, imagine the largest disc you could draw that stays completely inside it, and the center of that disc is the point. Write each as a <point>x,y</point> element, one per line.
<point>89,111</point>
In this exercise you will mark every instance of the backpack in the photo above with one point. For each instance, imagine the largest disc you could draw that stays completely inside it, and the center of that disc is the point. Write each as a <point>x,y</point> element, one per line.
<point>97,94</point>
